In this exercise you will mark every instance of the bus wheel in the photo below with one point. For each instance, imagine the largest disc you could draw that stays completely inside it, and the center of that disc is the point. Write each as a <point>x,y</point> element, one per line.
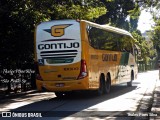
<point>129,84</point>
<point>100,89</point>
<point>59,94</point>
<point>107,85</point>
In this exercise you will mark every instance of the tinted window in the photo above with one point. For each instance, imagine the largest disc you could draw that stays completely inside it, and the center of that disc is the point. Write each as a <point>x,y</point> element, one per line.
<point>105,40</point>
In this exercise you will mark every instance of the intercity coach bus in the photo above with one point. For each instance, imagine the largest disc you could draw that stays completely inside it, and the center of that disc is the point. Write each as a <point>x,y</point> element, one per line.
<point>78,55</point>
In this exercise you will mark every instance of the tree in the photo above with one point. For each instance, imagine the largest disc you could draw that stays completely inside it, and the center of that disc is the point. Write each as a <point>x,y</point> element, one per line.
<point>156,38</point>
<point>154,7</point>
<point>118,11</point>
<point>147,50</point>
<point>20,18</point>
<point>18,21</point>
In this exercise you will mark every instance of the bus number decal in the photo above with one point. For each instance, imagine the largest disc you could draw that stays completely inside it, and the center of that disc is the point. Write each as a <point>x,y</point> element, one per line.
<point>71,69</point>
<point>109,57</point>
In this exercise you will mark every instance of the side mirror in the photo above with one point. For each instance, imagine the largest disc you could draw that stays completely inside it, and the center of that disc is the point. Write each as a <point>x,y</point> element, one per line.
<point>137,52</point>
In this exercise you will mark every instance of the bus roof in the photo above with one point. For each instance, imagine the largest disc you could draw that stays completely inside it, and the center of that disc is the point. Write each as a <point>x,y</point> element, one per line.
<point>105,27</point>
<point>109,28</point>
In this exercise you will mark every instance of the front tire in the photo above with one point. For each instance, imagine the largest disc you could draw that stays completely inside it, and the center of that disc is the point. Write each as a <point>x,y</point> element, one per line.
<point>107,85</point>
<point>99,92</point>
<point>59,94</point>
<point>129,84</point>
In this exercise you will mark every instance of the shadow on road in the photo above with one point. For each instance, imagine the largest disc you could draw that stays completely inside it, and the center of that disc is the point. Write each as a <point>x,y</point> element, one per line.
<point>63,107</point>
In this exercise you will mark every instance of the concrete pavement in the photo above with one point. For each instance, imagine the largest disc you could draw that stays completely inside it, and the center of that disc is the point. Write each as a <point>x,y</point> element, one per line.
<point>150,103</point>
<point>156,102</point>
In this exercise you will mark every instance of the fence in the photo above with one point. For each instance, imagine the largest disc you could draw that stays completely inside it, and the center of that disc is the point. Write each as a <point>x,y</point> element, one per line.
<point>16,80</point>
<point>142,66</point>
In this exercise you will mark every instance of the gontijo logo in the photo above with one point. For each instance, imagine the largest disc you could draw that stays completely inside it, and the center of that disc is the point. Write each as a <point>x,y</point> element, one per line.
<point>59,30</point>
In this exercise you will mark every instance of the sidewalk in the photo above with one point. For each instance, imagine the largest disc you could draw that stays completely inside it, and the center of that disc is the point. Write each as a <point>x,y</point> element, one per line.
<point>156,103</point>
<point>12,95</point>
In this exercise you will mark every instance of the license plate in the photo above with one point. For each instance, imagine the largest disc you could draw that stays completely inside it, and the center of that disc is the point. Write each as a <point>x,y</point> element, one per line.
<point>59,84</point>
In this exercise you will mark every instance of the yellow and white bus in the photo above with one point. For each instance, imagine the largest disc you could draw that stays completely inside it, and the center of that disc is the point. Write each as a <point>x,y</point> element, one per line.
<point>77,55</point>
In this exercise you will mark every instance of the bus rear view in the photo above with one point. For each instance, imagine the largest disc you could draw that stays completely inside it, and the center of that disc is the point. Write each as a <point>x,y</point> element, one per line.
<point>59,65</point>
<point>80,55</point>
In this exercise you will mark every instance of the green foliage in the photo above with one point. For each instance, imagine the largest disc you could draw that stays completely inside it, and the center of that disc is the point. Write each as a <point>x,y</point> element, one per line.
<point>147,3</point>
<point>19,18</point>
<point>78,12</point>
<point>134,16</point>
<point>146,48</point>
<point>135,13</point>
<point>154,7</point>
<point>156,37</point>
<point>118,11</point>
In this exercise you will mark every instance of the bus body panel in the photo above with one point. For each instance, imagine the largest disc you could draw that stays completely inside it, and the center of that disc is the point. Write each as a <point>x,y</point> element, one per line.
<point>65,72</point>
<point>117,64</point>
<point>103,62</point>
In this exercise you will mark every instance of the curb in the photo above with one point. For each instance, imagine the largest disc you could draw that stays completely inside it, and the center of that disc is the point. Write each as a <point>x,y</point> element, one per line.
<point>156,103</point>
<point>145,105</point>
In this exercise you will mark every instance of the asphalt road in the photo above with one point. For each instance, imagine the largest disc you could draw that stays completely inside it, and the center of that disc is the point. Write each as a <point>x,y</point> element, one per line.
<point>123,103</point>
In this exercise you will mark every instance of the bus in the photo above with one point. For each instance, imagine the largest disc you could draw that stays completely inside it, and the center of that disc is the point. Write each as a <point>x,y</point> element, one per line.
<point>79,55</point>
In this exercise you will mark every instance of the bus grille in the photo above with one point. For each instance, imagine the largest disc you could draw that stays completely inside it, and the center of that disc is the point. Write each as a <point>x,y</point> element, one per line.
<point>58,54</point>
